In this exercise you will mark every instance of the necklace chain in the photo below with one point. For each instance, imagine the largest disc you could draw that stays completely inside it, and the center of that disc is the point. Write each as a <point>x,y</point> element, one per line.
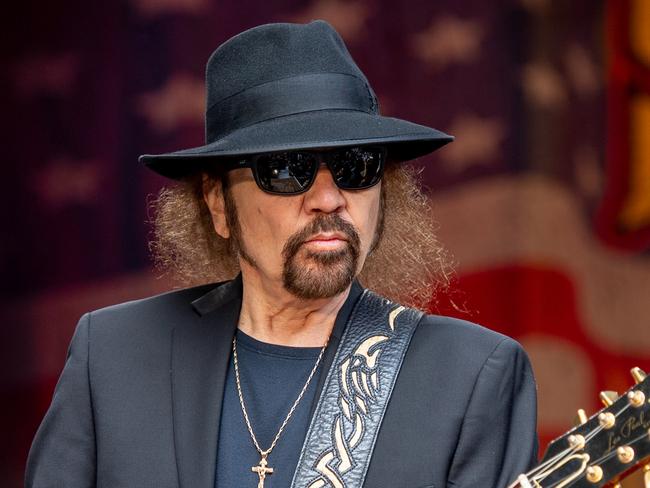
<point>265,453</point>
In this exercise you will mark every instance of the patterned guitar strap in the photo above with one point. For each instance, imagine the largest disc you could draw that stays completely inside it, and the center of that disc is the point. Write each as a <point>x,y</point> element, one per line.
<point>342,434</point>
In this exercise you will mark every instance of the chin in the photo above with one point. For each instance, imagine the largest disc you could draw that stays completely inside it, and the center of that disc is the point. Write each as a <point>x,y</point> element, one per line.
<point>320,275</point>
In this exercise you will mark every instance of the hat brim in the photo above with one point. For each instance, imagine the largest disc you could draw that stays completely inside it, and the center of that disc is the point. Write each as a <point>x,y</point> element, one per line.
<point>320,129</point>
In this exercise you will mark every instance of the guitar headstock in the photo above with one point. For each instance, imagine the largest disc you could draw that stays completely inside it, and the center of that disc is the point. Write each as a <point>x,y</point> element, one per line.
<point>603,448</point>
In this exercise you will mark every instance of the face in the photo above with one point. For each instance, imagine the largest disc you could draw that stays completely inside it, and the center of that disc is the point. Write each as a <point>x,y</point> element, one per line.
<point>314,243</point>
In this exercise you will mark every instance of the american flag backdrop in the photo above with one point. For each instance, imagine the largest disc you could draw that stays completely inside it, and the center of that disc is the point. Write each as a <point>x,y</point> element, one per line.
<point>543,199</point>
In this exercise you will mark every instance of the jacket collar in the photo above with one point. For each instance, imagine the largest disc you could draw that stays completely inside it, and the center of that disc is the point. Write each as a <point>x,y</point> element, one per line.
<point>221,294</point>
<point>200,357</point>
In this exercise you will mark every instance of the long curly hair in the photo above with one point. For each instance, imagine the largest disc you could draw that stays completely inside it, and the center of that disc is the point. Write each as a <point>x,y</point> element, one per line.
<point>408,265</point>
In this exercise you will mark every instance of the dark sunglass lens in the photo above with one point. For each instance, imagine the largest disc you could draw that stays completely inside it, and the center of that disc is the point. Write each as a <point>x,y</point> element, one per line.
<point>289,172</point>
<point>357,167</point>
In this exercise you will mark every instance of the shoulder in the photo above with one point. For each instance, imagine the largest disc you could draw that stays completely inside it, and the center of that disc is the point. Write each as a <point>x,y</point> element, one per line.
<point>146,316</point>
<point>121,335</point>
<point>176,301</point>
<point>443,345</point>
<point>174,298</point>
<point>462,334</point>
<point>462,348</point>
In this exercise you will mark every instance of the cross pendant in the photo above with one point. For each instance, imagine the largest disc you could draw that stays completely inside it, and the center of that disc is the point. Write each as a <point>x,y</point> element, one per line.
<point>262,470</point>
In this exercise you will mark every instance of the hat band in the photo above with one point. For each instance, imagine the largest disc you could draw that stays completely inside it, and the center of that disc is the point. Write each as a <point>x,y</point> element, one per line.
<point>288,96</point>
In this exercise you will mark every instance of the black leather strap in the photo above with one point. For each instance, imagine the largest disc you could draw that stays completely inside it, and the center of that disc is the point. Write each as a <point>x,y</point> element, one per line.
<point>341,437</point>
<point>288,96</point>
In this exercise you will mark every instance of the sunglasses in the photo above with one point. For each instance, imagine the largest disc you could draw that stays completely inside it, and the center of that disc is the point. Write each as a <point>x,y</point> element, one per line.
<point>293,172</point>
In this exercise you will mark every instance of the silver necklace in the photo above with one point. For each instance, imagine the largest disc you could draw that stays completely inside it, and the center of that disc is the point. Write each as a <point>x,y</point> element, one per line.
<point>262,469</point>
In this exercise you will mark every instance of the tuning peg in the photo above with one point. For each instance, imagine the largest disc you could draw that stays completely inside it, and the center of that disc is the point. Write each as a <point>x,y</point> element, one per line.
<point>625,454</point>
<point>638,374</point>
<point>576,441</point>
<point>594,474</point>
<point>606,420</point>
<point>636,398</point>
<point>608,397</point>
<point>646,475</point>
<point>580,418</point>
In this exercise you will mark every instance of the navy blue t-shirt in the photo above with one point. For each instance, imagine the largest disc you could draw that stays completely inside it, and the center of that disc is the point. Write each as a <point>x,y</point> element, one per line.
<point>271,379</point>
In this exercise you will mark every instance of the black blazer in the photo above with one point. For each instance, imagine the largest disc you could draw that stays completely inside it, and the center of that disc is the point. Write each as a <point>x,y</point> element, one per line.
<point>139,400</point>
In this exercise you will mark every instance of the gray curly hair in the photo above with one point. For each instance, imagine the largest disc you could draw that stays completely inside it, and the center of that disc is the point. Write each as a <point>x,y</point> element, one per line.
<point>408,265</point>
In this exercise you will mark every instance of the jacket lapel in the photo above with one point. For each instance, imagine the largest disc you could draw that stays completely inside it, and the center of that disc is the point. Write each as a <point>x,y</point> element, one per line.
<point>200,357</point>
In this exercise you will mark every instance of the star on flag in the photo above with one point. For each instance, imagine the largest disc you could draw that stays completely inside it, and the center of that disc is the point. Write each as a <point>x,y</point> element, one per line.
<point>581,70</point>
<point>67,181</point>
<point>478,141</point>
<point>180,101</point>
<point>535,6</point>
<point>51,74</point>
<point>543,85</point>
<point>347,17</point>
<point>153,8</point>
<point>449,40</point>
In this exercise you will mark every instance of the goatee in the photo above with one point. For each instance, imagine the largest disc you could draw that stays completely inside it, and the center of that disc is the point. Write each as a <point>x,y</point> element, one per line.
<point>324,274</point>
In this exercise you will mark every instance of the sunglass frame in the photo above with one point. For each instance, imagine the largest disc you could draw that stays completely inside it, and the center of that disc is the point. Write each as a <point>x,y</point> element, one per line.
<point>321,156</point>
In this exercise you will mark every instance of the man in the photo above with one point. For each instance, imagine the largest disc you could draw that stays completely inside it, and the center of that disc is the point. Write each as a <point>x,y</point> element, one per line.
<point>291,374</point>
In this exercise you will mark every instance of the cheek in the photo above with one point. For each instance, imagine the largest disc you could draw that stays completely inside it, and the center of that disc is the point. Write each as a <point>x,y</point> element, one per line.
<point>265,226</point>
<point>255,225</point>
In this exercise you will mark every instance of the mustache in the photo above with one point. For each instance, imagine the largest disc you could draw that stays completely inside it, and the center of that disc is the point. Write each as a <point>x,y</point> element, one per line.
<point>323,223</point>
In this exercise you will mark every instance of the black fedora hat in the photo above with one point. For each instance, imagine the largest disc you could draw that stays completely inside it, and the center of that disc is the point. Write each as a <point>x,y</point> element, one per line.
<point>287,86</point>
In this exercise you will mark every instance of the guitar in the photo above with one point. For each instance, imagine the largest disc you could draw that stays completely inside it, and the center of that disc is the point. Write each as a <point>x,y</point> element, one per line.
<point>602,449</point>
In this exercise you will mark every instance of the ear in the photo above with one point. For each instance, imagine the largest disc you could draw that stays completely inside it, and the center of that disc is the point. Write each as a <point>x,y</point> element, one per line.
<point>214,199</point>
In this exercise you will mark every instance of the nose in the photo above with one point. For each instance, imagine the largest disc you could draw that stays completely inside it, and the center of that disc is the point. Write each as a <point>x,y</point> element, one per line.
<point>324,196</point>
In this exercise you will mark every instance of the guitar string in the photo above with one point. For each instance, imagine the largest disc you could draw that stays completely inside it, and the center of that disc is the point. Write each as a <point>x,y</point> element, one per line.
<point>572,450</point>
<point>557,466</point>
<point>588,438</point>
<point>569,451</point>
<point>558,458</point>
<point>613,453</point>
<point>603,458</point>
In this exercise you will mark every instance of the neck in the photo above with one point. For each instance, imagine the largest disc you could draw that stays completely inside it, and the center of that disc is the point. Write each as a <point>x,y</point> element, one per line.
<point>271,314</point>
